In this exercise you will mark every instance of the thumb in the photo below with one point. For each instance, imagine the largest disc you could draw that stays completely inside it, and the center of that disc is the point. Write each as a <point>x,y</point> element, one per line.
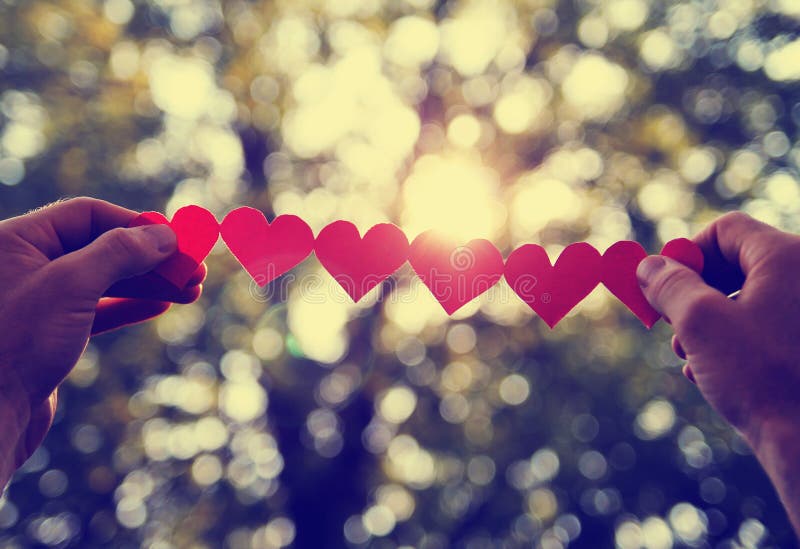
<point>680,294</point>
<point>115,255</point>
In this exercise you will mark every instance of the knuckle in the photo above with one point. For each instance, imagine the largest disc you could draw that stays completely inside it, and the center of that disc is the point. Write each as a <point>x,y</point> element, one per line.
<point>735,218</point>
<point>86,205</point>
<point>669,282</point>
<point>77,204</point>
<point>732,220</point>
<point>81,201</point>
<point>122,243</point>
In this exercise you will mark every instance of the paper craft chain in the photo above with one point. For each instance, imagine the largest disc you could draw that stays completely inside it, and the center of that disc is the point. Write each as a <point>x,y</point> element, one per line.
<point>454,272</point>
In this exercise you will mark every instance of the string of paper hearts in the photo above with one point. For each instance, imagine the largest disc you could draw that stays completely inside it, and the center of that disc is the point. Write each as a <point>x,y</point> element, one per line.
<point>454,272</point>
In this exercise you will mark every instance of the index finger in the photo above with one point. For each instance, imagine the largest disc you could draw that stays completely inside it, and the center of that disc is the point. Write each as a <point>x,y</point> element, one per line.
<point>733,245</point>
<point>153,287</point>
<point>66,226</point>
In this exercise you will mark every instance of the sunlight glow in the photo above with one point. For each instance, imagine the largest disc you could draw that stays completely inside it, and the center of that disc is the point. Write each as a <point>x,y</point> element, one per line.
<point>541,200</point>
<point>318,313</point>
<point>181,87</point>
<point>412,41</point>
<point>464,131</point>
<point>596,87</point>
<point>474,36</point>
<point>523,106</point>
<point>783,64</point>
<point>454,194</point>
<point>351,97</point>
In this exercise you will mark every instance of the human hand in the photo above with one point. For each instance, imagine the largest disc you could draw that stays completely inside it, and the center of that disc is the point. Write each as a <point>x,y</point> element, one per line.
<point>69,271</point>
<point>742,353</point>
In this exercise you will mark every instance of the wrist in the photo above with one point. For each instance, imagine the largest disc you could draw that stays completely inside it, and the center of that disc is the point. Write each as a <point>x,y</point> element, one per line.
<point>774,440</point>
<point>776,445</point>
<point>15,415</point>
<point>772,427</point>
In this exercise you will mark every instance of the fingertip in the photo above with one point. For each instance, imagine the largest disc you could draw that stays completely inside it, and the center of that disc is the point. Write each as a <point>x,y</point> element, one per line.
<point>199,275</point>
<point>189,295</point>
<point>114,313</point>
<point>687,371</point>
<point>162,307</point>
<point>678,348</point>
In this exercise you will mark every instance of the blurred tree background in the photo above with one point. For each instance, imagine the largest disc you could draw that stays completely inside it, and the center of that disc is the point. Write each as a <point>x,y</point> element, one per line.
<point>291,417</point>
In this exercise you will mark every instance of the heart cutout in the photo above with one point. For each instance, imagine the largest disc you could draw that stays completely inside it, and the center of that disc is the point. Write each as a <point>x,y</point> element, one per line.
<point>619,272</point>
<point>685,251</point>
<point>197,231</point>
<point>359,264</point>
<point>266,250</point>
<point>553,290</point>
<point>455,274</point>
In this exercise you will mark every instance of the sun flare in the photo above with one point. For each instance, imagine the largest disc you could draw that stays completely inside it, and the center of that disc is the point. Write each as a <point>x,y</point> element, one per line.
<point>455,194</point>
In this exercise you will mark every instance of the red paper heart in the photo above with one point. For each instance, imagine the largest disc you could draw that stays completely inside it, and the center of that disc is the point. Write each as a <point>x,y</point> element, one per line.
<point>266,250</point>
<point>359,264</point>
<point>197,231</point>
<point>685,251</point>
<point>553,290</point>
<point>619,272</point>
<point>455,274</point>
